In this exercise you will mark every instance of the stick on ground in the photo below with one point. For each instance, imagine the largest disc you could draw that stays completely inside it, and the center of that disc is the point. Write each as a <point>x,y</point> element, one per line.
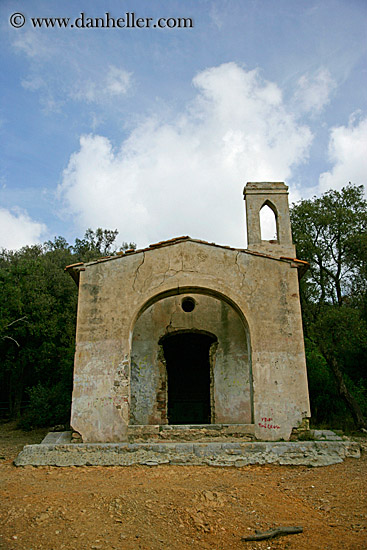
<point>278,531</point>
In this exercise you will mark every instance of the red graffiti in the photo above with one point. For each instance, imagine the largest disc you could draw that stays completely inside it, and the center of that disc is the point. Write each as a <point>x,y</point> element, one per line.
<point>265,423</point>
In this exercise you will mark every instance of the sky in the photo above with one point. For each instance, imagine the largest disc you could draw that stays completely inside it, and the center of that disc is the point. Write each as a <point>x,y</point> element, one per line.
<point>155,131</point>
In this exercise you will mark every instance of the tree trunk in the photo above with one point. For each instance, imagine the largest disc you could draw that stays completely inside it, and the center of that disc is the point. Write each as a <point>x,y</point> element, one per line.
<point>350,401</point>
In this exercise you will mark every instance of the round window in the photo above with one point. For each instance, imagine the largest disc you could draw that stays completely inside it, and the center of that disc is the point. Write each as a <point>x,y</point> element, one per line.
<point>188,304</point>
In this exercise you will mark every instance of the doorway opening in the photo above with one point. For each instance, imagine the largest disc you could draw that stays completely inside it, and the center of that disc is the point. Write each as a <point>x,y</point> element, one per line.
<point>187,356</point>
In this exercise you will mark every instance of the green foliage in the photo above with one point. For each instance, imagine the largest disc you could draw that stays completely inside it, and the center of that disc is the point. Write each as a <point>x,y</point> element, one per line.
<point>38,304</point>
<point>330,232</point>
<point>98,243</point>
<point>327,409</point>
<point>47,406</point>
<point>326,230</point>
<point>38,312</point>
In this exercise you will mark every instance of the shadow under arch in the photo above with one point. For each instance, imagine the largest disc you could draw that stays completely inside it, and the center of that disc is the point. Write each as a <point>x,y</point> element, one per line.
<point>211,337</point>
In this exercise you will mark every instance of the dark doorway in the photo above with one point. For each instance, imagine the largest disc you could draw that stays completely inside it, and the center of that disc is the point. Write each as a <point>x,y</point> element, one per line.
<point>188,373</point>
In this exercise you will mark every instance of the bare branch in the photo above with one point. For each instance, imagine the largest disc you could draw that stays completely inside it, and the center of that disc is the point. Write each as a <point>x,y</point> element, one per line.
<point>16,321</point>
<point>10,338</point>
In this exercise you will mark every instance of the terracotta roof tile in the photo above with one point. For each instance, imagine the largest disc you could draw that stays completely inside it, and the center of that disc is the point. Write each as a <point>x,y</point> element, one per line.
<point>302,264</point>
<point>294,260</point>
<point>73,265</point>
<point>170,241</point>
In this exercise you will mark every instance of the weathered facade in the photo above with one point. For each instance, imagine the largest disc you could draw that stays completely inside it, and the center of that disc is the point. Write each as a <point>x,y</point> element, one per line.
<point>187,332</point>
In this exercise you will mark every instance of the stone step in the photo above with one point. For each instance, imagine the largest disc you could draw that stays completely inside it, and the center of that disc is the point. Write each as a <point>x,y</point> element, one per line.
<point>190,432</point>
<point>219,453</point>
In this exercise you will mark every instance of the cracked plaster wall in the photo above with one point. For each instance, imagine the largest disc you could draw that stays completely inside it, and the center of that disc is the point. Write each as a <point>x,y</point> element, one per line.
<point>113,294</point>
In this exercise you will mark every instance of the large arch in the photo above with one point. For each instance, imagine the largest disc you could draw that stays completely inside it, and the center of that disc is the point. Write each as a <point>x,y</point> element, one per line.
<point>216,330</point>
<point>187,290</point>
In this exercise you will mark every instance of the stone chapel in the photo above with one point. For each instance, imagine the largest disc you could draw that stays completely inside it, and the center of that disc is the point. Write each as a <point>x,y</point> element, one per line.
<point>188,334</point>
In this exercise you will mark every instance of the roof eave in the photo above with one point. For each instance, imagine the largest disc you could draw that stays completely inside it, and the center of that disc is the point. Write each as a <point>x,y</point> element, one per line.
<point>74,271</point>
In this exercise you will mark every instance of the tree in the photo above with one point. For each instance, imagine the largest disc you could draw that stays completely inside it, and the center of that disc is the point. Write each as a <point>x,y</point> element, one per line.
<point>326,231</point>
<point>330,232</point>
<point>100,242</point>
<point>38,304</point>
<point>34,288</point>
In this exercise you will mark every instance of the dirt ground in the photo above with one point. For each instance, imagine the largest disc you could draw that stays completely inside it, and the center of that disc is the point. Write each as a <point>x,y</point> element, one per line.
<point>177,507</point>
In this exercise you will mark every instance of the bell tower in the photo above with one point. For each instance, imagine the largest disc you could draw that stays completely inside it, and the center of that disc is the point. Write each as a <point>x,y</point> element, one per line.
<point>275,196</point>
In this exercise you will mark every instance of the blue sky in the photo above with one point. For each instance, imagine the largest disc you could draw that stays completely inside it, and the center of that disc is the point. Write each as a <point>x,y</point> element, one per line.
<point>156,131</point>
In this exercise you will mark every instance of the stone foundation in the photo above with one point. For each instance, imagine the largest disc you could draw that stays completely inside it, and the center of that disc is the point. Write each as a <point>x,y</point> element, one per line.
<point>57,450</point>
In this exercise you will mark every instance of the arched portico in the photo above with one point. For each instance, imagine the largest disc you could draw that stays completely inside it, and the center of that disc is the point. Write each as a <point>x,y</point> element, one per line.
<point>190,362</point>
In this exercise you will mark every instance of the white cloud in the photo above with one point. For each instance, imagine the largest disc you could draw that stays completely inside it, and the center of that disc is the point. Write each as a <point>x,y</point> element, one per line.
<point>186,176</point>
<point>77,76</point>
<point>35,45</point>
<point>17,229</point>
<point>118,81</point>
<point>347,151</point>
<point>114,83</point>
<point>50,104</point>
<point>33,83</point>
<point>216,16</point>
<point>313,92</point>
<point>99,89</point>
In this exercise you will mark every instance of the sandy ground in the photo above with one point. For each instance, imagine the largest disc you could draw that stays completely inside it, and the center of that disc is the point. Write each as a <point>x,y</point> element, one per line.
<point>177,507</point>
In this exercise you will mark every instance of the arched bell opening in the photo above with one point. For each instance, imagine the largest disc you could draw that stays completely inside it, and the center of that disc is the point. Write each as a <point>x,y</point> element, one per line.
<point>268,222</point>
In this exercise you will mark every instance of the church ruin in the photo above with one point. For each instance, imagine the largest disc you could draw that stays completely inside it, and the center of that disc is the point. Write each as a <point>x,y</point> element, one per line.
<point>188,333</point>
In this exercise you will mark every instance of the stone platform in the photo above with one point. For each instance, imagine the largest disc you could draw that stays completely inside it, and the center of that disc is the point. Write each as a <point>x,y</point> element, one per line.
<point>57,450</point>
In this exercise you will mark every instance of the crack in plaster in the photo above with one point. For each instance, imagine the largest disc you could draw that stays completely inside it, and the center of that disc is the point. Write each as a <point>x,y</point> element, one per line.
<point>137,271</point>
<point>172,272</point>
<point>243,275</point>
<point>167,274</point>
<point>171,327</point>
